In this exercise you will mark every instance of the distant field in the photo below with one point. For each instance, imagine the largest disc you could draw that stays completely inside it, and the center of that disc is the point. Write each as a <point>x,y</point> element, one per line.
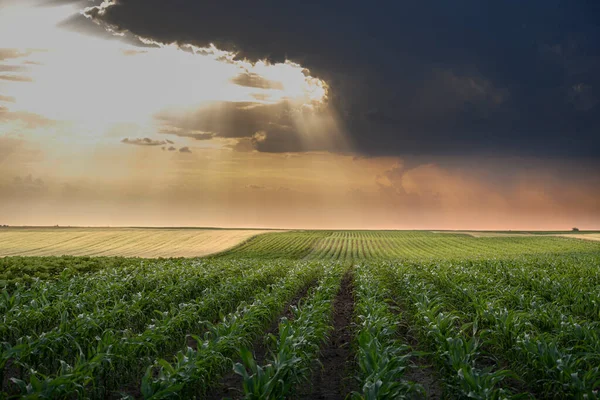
<point>592,235</point>
<point>125,242</point>
<point>587,236</point>
<point>390,245</point>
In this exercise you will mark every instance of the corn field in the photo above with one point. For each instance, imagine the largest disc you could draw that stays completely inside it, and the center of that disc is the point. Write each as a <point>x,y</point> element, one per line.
<point>428,315</point>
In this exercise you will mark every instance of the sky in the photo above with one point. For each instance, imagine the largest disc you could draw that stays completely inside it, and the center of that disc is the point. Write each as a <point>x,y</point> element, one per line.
<point>348,115</point>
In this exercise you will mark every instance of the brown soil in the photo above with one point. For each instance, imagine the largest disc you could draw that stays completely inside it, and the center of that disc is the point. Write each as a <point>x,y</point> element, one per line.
<point>423,372</point>
<point>333,380</point>
<point>11,370</point>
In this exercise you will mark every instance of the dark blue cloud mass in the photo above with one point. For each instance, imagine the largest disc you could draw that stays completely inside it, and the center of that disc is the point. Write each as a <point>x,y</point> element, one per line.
<point>406,77</point>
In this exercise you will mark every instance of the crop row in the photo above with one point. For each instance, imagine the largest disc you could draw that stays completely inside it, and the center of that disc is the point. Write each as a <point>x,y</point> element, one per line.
<point>194,370</point>
<point>475,310</point>
<point>16,271</point>
<point>382,358</point>
<point>105,360</point>
<point>117,298</point>
<point>296,347</point>
<point>356,246</point>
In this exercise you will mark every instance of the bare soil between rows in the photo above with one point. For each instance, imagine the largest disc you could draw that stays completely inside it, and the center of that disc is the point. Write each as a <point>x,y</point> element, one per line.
<point>423,371</point>
<point>332,380</point>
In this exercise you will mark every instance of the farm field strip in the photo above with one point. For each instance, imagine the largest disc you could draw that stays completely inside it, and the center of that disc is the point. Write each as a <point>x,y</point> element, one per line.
<point>499,317</point>
<point>584,236</point>
<point>15,271</point>
<point>125,242</point>
<point>381,357</point>
<point>114,297</point>
<point>355,246</point>
<point>290,245</point>
<point>534,336</point>
<point>296,347</point>
<point>194,370</point>
<point>592,235</point>
<point>458,355</point>
<point>125,350</point>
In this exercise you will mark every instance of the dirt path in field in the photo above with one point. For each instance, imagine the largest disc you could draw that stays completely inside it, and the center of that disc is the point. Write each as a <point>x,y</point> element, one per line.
<point>333,380</point>
<point>230,386</point>
<point>423,373</point>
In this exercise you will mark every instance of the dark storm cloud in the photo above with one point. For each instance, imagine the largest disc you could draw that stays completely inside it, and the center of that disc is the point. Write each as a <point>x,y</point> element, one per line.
<point>430,77</point>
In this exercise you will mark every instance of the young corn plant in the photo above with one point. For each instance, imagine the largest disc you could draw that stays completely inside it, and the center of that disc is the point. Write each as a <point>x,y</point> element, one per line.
<point>296,347</point>
<point>457,352</point>
<point>193,371</point>
<point>382,358</point>
<point>133,352</point>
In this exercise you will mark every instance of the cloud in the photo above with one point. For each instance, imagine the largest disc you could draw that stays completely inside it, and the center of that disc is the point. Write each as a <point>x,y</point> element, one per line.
<point>7,54</point>
<point>130,52</point>
<point>243,145</point>
<point>29,120</point>
<point>280,189</point>
<point>493,193</point>
<point>8,145</point>
<point>28,185</point>
<point>256,81</point>
<point>274,128</point>
<point>255,187</point>
<point>419,78</point>
<point>8,99</point>
<point>15,78</point>
<point>12,68</point>
<point>582,97</point>
<point>193,134</point>
<point>144,142</point>
<point>185,150</point>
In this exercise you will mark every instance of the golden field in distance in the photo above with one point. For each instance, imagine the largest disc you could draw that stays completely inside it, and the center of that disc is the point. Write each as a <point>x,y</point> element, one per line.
<point>125,242</point>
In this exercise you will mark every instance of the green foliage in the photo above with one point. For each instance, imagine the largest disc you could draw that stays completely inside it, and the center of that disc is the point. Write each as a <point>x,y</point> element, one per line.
<point>195,369</point>
<point>500,317</point>
<point>16,271</point>
<point>357,246</point>
<point>382,358</point>
<point>295,348</point>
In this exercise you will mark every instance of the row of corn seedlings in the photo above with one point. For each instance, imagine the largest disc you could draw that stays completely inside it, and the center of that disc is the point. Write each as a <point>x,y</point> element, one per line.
<point>49,348</point>
<point>110,291</point>
<point>131,313</point>
<point>295,348</point>
<point>382,358</point>
<point>553,351</point>
<point>551,280</point>
<point>19,271</point>
<point>457,351</point>
<point>114,357</point>
<point>193,371</point>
